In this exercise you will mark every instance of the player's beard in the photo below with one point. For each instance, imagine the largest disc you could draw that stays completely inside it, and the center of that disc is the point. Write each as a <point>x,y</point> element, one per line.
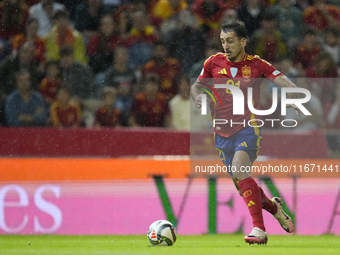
<point>232,58</point>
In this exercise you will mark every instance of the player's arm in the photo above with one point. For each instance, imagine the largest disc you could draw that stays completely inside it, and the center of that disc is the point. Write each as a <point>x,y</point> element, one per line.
<point>196,92</point>
<point>196,88</point>
<point>284,82</point>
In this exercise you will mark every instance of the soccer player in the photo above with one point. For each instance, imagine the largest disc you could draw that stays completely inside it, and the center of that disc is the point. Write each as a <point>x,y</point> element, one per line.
<point>238,145</point>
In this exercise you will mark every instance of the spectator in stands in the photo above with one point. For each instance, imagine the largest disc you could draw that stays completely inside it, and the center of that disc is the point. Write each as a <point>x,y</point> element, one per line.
<point>186,42</point>
<point>24,60</point>
<point>124,15</point>
<point>211,49</point>
<point>209,12</point>
<point>289,22</point>
<point>268,41</point>
<point>306,53</point>
<point>30,35</point>
<point>168,69</point>
<point>107,115</point>
<point>102,45</point>
<point>50,84</point>
<point>63,112</point>
<point>63,34</point>
<point>164,9</point>
<point>25,107</point>
<point>150,108</point>
<point>88,16</point>
<point>250,12</point>
<point>323,68</point>
<point>180,106</point>
<point>13,17</point>
<point>140,40</point>
<point>70,6</point>
<point>321,16</point>
<point>43,12</point>
<point>76,77</point>
<point>286,66</point>
<point>314,106</point>
<point>331,44</point>
<point>123,79</point>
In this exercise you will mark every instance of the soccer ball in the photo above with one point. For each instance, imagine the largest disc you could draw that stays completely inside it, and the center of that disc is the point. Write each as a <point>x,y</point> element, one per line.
<point>162,233</point>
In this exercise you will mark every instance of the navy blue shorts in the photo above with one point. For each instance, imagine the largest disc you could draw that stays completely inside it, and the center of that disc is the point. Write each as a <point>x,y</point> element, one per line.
<point>248,140</point>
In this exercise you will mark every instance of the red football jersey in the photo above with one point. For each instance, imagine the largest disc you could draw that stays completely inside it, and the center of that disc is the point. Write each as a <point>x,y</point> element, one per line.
<point>243,74</point>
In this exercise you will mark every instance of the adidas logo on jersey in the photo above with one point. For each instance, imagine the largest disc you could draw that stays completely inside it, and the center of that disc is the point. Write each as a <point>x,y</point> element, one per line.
<point>223,71</point>
<point>244,144</point>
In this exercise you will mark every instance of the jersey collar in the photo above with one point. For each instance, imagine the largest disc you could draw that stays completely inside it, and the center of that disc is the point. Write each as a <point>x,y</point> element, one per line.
<point>232,63</point>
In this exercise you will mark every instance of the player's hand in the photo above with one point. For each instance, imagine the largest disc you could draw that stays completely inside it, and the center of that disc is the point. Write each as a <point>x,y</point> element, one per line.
<point>198,102</point>
<point>297,110</point>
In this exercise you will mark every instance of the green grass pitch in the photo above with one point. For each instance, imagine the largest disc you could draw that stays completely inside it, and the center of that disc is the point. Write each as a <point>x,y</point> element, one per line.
<point>186,245</point>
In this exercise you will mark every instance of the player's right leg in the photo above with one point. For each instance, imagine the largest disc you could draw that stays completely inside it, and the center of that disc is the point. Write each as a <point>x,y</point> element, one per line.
<point>274,207</point>
<point>283,218</point>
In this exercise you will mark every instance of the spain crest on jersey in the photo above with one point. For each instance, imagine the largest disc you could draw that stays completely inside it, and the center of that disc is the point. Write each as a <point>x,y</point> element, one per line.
<point>246,72</point>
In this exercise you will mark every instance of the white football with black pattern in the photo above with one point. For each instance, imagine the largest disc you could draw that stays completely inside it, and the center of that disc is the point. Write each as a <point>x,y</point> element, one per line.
<point>162,233</point>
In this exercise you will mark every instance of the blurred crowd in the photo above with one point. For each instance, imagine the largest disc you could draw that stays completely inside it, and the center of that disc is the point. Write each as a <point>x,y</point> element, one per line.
<point>110,63</point>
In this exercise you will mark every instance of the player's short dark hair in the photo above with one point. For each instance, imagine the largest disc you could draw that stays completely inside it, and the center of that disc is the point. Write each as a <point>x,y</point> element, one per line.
<point>236,26</point>
<point>65,50</point>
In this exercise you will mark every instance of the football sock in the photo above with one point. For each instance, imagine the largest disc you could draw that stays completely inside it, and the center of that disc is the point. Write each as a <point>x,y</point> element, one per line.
<point>267,204</point>
<point>252,197</point>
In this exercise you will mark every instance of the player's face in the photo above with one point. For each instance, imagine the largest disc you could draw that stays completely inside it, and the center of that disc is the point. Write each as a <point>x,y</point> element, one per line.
<point>232,45</point>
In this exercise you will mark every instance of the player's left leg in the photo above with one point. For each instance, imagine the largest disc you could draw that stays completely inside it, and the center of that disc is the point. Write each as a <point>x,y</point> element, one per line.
<point>251,195</point>
<point>274,206</point>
